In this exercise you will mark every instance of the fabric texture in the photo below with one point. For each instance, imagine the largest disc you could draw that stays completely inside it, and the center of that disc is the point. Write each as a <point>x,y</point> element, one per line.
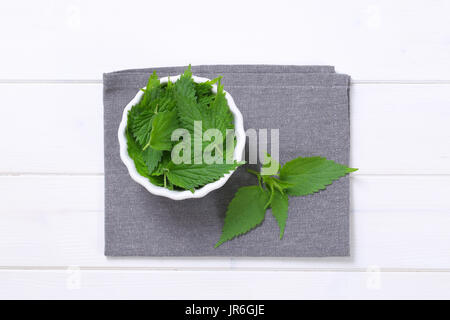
<point>310,107</point>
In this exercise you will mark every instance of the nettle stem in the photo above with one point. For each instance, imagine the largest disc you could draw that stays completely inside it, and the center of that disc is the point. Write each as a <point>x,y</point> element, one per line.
<point>257,175</point>
<point>165,180</point>
<point>271,197</point>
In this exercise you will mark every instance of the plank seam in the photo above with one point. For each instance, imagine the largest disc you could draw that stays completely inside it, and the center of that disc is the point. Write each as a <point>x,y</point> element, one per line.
<point>238,269</point>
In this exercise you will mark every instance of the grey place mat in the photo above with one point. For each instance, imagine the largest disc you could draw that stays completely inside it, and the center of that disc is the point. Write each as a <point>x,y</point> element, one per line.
<point>310,106</point>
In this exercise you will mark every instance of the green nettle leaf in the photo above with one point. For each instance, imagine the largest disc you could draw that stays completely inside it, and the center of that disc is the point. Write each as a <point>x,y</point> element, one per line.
<point>152,90</point>
<point>152,157</point>
<point>245,212</point>
<point>162,165</point>
<point>279,205</point>
<point>205,96</point>
<point>157,180</point>
<point>309,175</point>
<point>203,89</point>
<point>135,153</point>
<point>164,123</point>
<point>186,101</point>
<point>190,176</point>
<point>145,109</point>
<point>221,117</point>
<point>164,103</point>
<point>142,125</point>
<point>204,103</point>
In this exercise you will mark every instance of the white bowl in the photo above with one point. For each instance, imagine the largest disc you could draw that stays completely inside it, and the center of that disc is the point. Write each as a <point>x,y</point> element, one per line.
<point>172,194</point>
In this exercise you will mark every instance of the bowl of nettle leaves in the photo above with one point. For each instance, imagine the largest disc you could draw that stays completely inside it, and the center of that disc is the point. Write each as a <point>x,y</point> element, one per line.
<point>173,103</point>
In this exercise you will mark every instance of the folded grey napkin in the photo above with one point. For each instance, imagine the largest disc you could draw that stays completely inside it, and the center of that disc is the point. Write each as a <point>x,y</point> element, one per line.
<point>310,107</point>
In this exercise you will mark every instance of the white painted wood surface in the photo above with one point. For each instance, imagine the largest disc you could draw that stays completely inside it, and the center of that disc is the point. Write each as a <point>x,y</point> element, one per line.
<point>139,284</point>
<point>80,39</point>
<point>51,169</point>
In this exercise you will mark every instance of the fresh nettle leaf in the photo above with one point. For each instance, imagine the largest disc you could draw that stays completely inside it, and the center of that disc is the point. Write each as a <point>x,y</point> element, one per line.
<point>135,153</point>
<point>162,165</point>
<point>142,125</point>
<point>188,110</point>
<point>309,175</point>
<point>191,176</point>
<point>152,90</point>
<point>165,102</point>
<point>164,123</point>
<point>151,157</point>
<point>157,180</point>
<point>203,89</point>
<point>279,205</point>
<point>205,95</point>
<point>300,176</point>
<point>219,113</point>
<point>245,212</point>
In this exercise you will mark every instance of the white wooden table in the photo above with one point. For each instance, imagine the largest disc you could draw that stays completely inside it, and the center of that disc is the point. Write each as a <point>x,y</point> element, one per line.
<point>53,54</point>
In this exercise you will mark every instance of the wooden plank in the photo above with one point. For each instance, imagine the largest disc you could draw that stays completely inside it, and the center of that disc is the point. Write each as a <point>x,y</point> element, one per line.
<point>400,128</point>
<point>58,128</point>
<point>51,194</point>
<point>75,284</point>
<point>397,222</point>
<point>377,40</point>
<point>52,128</point>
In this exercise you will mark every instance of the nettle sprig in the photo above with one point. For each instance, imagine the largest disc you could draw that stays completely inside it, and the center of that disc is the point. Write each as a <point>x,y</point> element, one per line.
<point>298,177</point>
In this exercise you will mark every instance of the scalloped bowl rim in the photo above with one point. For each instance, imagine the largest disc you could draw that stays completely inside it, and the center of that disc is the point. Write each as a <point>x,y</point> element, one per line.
<point>173,194</point>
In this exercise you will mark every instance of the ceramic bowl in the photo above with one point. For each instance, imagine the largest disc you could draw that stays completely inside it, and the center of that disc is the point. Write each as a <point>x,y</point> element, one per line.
<point>175,194</point>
